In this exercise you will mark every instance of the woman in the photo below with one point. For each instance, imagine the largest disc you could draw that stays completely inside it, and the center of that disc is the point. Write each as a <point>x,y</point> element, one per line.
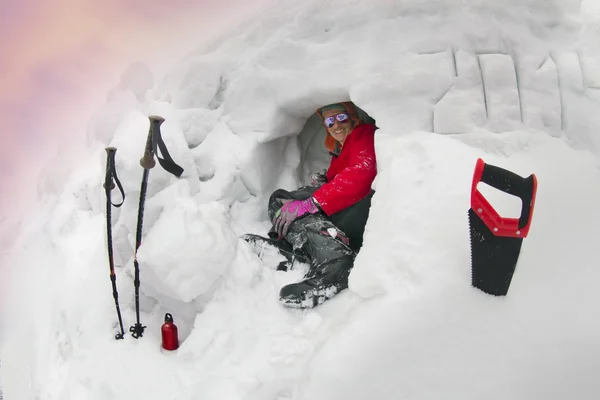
<point>324,223</point>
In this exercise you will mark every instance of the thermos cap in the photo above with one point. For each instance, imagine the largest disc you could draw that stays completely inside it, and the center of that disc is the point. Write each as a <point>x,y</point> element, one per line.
<point>168,317</point>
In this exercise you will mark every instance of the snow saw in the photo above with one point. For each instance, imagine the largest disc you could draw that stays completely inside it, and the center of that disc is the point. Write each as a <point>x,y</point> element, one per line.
<point>496,241</point>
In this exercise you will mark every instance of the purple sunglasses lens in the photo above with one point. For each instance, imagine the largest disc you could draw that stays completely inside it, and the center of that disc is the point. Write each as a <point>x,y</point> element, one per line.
<point>330,121</point>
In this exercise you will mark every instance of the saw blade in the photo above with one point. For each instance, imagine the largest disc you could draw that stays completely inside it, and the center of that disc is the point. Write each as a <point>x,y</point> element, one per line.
<point>493,258</point>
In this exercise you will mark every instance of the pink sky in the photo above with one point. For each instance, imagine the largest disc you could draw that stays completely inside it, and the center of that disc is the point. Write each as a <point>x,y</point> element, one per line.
<point>60,57</point>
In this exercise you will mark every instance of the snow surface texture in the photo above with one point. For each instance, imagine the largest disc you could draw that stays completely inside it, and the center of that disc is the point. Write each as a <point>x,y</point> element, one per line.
<point>514,82</point>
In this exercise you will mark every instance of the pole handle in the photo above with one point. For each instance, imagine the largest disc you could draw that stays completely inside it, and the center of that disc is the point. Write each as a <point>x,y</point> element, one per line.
<point>148,161</point>
<point>111,176</point>
<point>110,157</point>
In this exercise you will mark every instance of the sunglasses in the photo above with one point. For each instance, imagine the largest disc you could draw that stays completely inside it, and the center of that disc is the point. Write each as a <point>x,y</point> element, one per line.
<point>341,118</point>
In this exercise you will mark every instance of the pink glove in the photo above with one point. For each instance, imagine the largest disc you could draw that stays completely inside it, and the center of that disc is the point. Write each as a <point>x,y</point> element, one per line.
<point>290,212</point>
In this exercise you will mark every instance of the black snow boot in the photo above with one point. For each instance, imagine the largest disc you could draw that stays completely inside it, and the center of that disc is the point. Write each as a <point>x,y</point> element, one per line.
<point>263,245</point>
<point>322,282</point>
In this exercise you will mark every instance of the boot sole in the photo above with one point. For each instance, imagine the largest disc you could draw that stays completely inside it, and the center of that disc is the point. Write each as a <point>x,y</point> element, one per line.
<point>262,247</point>
<point>310,298</point>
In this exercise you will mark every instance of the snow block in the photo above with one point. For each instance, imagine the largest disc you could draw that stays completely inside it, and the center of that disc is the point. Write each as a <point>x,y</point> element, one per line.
<point>187,250</point>
<point>463,105</point>
<point>540,94</point>
<point>591,70</point>
<point>570,74</point>
<point>501,92</point>
<point>197,84</point>
<point>196,124</point>
<point>414,81</point>
<point>580,115</point>
<point>589,50</point>
<point>218,161</point>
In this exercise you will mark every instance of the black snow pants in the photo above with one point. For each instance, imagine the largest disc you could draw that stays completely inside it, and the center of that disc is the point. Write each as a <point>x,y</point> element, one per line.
<point>323,237</point>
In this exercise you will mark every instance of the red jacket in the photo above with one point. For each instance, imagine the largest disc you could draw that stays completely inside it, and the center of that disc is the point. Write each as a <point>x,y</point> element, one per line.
<point>351,174</point>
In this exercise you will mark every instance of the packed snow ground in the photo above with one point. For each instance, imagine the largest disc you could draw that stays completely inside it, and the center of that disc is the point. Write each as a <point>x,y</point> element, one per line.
<point>515,83</point>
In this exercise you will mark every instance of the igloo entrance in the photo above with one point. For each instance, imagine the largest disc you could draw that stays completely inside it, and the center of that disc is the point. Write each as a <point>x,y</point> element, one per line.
<point>287,150</point>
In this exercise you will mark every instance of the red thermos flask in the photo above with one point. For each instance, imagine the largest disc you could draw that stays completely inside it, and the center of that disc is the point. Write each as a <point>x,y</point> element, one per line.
<point>170,340</point>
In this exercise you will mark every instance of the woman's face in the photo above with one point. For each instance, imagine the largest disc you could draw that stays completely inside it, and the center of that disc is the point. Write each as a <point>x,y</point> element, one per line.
<point>340,129</point>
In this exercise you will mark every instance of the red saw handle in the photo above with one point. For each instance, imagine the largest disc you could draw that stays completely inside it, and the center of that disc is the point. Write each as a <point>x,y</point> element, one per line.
<point>508,182</point>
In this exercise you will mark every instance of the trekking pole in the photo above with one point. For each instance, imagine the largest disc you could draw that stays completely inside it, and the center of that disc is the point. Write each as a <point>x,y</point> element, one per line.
<point>109,185</point>
<point>153,142</point>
